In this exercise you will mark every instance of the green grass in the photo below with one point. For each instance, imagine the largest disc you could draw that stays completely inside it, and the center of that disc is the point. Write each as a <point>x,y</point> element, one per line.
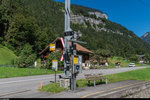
<point>113,60</point>
<point>7,72</point>
<point>124,63</point>
<point>6,56</point>
<point>53,88</point>
<point>140,74</point>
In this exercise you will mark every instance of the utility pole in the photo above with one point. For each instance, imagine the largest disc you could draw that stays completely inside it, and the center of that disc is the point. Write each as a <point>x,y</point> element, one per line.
<point>67,39</point>
<point>70,36</point>
<point>67,15</point>
<point>74,53</point>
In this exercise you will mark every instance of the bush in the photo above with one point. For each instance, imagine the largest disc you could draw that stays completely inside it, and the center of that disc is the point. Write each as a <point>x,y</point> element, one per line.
<point>1,39</point>
<point>134,58</point>
<point>39,63</point>
<point>52,57</point>
<point>26,57</point>
<point>91,67</point>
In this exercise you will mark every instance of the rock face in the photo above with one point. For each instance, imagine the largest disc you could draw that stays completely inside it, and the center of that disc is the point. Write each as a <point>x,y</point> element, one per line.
<point>80,19</point>
<point>146,37</point>
<point>98,22</point>
<point>99,15</point>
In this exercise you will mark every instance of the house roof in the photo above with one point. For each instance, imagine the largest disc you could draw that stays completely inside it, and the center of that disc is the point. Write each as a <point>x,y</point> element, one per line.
<point>78,47</point>
<point>81,48</point>
<point>141,56</point>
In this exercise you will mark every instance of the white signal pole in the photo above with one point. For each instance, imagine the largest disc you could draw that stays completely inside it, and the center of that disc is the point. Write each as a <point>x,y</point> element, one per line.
<point>67,15</point>
<point>67,38</point>
<point>70,36</point>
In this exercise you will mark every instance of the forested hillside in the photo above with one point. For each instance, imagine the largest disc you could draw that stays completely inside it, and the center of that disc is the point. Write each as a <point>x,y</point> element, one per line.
<point>120,45</point>
<point>28,26</point>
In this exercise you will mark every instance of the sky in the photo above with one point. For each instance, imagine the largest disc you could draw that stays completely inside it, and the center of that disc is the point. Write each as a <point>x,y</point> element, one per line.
<point>133,14</point>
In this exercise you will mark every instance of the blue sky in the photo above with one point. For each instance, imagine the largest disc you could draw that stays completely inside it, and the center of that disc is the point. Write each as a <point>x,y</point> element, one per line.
<point>133,14</point>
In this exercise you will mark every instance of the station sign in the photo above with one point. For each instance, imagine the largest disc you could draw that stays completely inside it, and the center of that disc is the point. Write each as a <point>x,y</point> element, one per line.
<point>76,60</point>
<point>55,65</point>
<point>52,47</point>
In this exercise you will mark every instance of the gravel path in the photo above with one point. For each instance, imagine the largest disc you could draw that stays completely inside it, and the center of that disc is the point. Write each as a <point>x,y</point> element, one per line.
<point>142,94</point>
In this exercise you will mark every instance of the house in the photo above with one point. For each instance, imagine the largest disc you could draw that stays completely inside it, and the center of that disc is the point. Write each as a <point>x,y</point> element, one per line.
<point>142,59</point>
<point>45,53</point>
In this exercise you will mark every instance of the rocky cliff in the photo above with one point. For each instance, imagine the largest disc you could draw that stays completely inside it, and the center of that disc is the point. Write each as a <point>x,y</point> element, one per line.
<point>97,21</point>
<point>146,37</point>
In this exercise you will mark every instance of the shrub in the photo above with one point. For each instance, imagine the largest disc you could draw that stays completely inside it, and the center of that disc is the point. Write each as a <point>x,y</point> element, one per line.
<point>52,57</point>
<point>26,57</point>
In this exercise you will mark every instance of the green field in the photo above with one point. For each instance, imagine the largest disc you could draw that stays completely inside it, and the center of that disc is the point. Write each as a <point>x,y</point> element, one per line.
<point>53,88</point>
<point>6,56</point>
<point>124,63</point>
<point>140,74</point>
<point>6,72</point>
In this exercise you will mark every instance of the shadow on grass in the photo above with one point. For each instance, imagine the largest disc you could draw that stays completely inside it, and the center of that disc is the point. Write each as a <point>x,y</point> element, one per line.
<point>84,83</point>
<point>96,83</point>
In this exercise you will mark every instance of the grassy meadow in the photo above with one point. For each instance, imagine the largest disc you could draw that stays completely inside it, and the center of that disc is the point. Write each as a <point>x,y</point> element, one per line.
<point>124,63</point>
<point>7,72</point>
<point>6,56</point>
<point>140,74</point>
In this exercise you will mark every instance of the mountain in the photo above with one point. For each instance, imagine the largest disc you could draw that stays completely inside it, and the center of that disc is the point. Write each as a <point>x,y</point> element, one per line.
<point>39,22</point>
<point>146,37</point>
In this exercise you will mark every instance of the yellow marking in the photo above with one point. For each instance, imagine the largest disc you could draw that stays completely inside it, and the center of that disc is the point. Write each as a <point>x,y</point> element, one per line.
<point>76,60</point>
<point>110,89</point>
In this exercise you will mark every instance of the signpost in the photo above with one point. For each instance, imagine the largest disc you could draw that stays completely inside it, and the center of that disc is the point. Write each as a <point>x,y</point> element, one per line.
<point>54,62</point>
<point>55,67</point>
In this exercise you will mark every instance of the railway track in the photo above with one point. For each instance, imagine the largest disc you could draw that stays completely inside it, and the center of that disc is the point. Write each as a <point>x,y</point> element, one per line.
<point>120,92</point>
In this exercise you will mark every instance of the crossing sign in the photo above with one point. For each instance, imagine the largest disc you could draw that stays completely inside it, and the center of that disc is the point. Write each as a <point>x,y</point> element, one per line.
<point>63,44</point>
<point>62,56</point>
